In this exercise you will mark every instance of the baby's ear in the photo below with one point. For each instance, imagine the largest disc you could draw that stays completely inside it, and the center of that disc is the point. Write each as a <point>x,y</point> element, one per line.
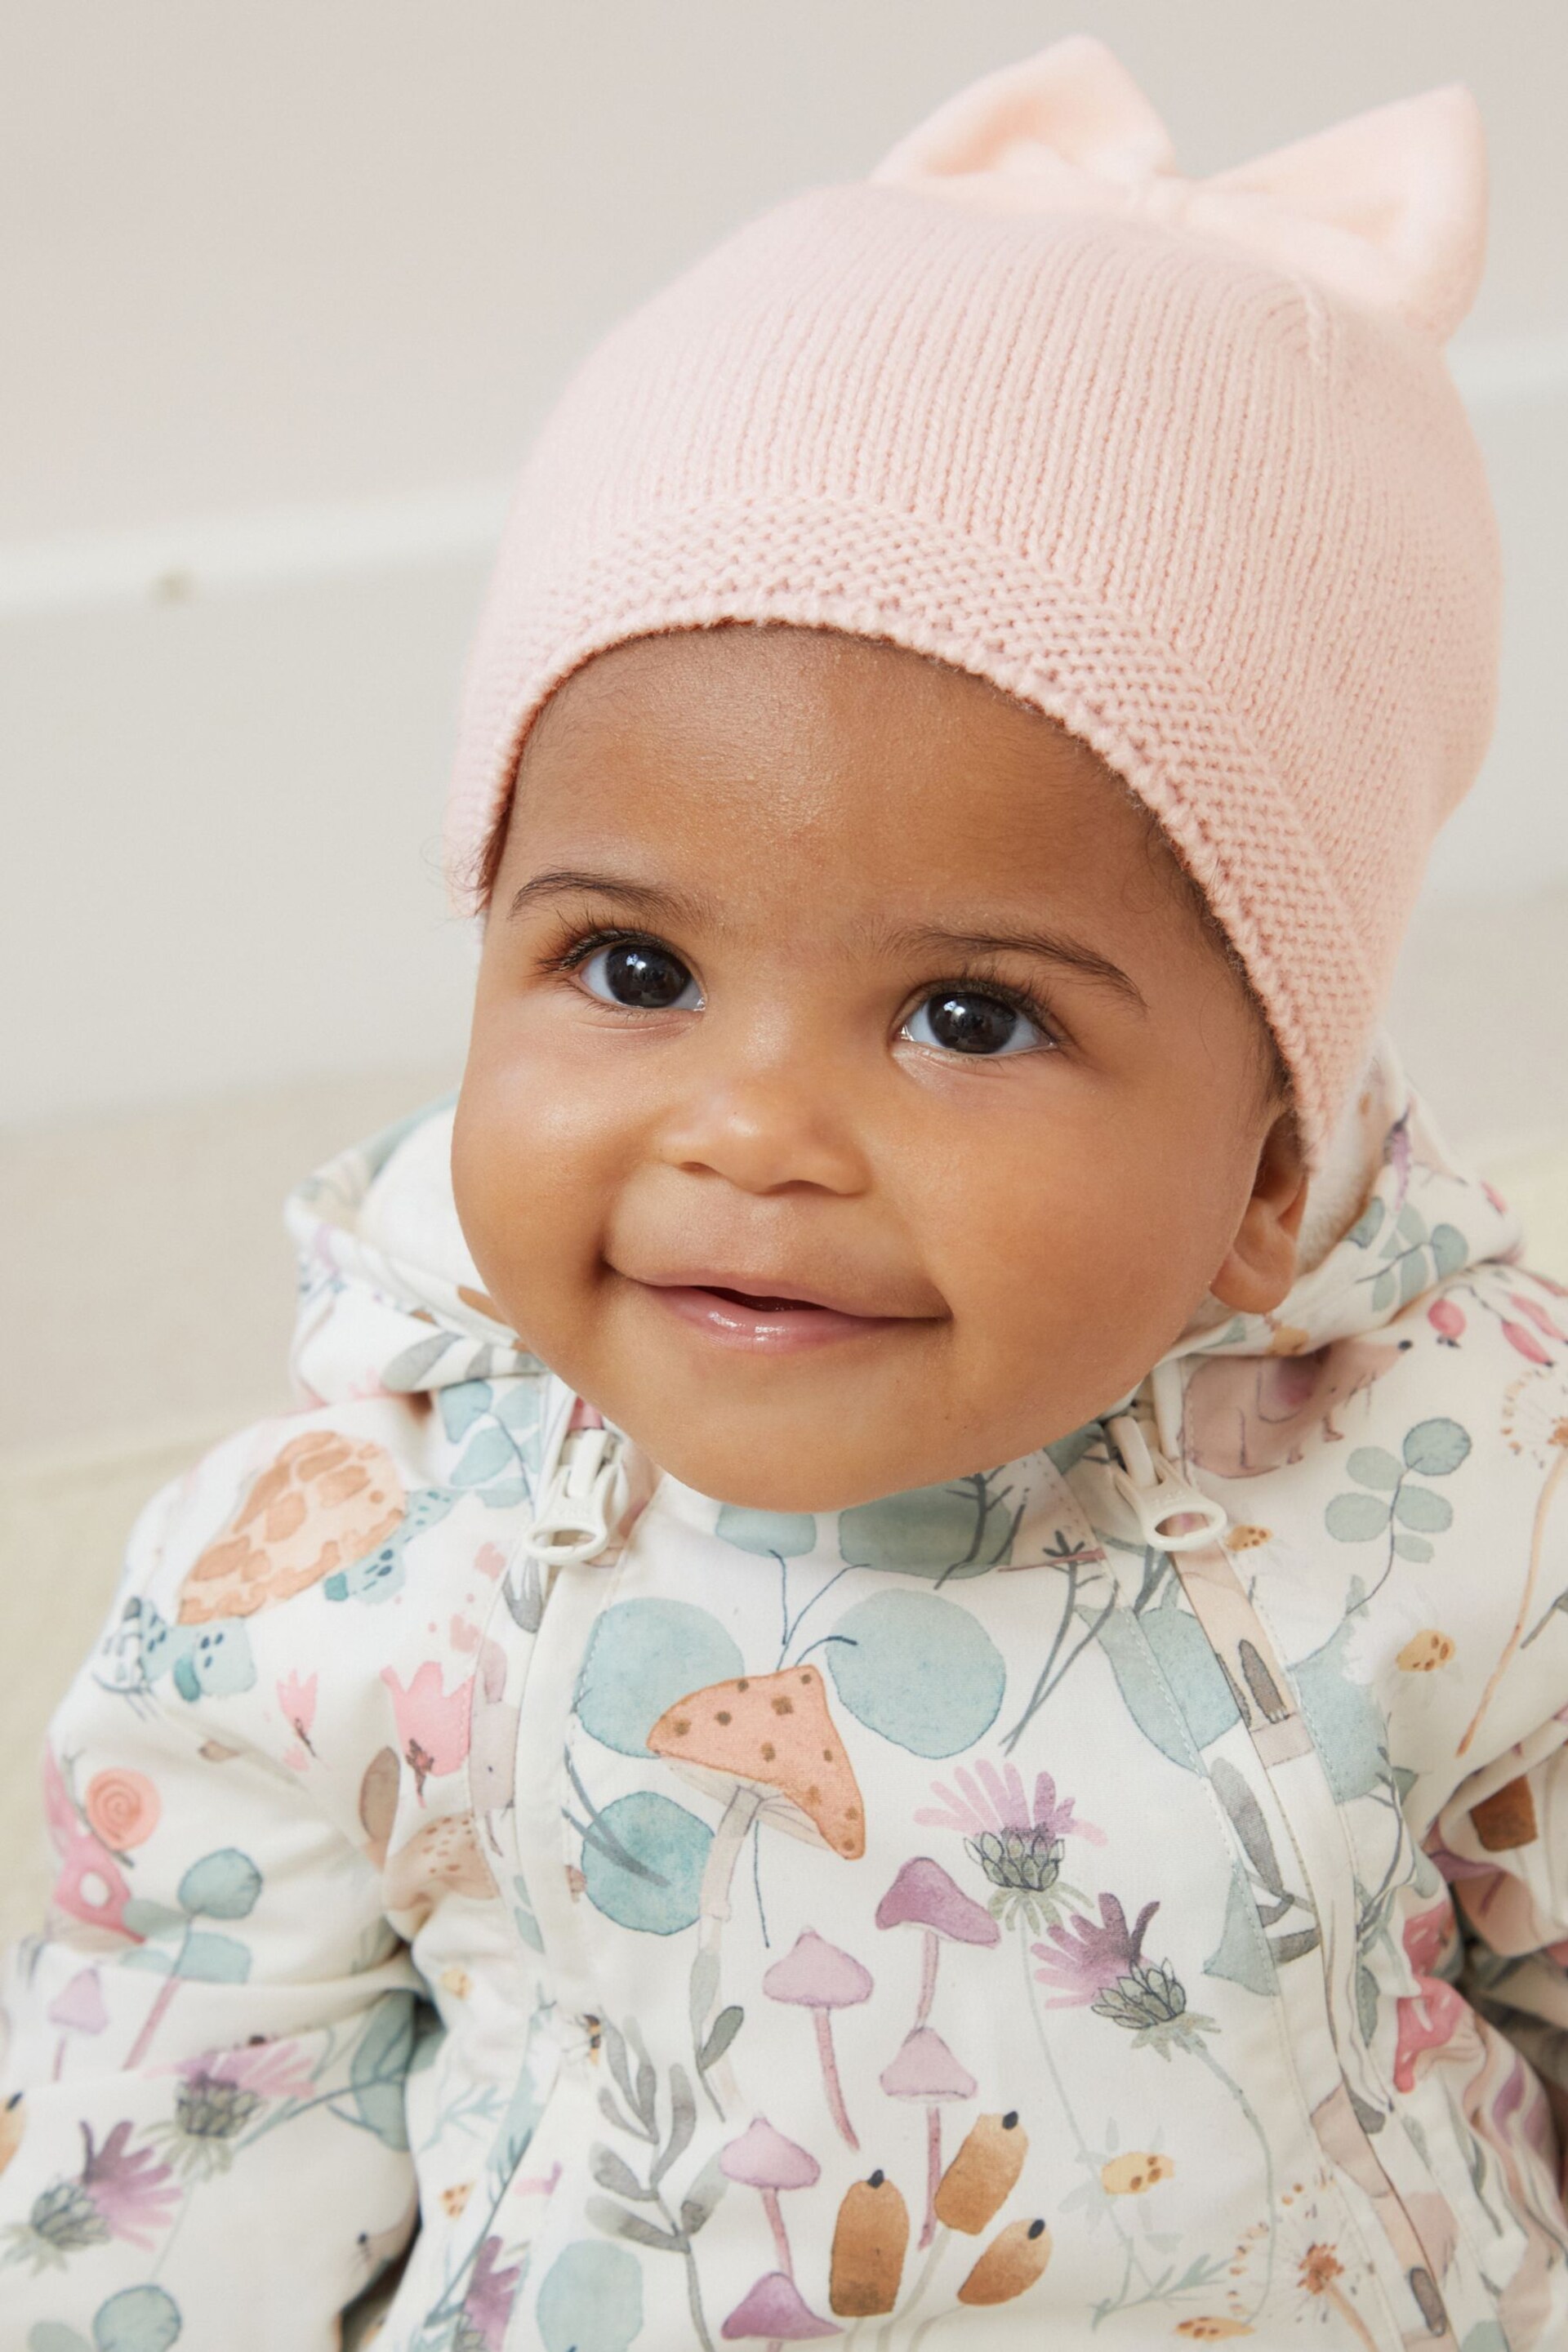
<point>1260,1265</point>
<point>1408,181</point>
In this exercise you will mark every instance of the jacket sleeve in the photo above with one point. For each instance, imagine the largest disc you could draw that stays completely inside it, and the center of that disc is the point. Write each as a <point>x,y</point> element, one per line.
<point>202,2135</point>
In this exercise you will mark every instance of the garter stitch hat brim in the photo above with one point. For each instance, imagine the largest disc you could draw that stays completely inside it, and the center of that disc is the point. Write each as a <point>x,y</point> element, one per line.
<point>1189,483</point>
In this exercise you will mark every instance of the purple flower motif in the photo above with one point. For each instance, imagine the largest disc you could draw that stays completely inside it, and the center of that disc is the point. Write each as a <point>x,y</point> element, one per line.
<point>990,1801</point>
<point>1083,1961</point>
<point>487,2307</point>
<point>134,2193</point>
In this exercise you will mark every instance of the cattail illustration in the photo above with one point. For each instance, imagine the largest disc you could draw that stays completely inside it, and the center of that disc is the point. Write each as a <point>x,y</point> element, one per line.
<point>869,2242</point>
<point>984,2174</point>
<point>1011,2264</point>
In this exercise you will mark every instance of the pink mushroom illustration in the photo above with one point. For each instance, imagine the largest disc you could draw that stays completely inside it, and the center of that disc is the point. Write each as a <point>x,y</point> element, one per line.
<point>923,1896</point>
<point>79,2009</point>
<point>817,1976</point>
<point>776,2312</point>
<point>762,2158</point>
<point>925,2069</point>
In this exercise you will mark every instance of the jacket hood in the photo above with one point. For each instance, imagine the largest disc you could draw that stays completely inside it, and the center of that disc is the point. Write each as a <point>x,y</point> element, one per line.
<point>391,1300</point>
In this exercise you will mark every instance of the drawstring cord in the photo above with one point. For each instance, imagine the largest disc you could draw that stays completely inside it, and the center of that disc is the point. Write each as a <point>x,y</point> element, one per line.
<point>1173,1513</point>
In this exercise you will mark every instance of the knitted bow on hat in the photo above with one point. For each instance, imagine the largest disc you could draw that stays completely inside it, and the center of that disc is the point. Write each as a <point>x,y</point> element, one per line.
<point>1389,207</point>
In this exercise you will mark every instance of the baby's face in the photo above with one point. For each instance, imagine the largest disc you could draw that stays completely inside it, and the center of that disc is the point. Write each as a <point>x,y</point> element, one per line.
<point>855,1099</point>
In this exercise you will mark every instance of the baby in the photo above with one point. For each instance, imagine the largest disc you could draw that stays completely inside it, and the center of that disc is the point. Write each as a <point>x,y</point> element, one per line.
<point>903,1678</point>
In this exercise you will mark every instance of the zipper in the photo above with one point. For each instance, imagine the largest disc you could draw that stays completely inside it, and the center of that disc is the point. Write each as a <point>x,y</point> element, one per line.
<point>584,1489</point>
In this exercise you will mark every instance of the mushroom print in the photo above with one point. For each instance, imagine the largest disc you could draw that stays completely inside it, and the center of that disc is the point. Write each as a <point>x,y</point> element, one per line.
<point>925,2069</point>
<point>817,1976</point>
<point>870,2239</point>
<point>762,2160</point>
<point>923,1896</point>
<point>774,2310</point>
<point>767,1743</point>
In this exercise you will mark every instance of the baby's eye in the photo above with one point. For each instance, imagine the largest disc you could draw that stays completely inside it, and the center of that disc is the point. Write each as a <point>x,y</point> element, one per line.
<point>642,974</point>
<point>970,1021</point>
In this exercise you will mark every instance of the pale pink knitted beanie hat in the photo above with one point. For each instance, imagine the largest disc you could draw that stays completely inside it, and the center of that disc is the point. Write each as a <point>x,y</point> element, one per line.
<point>1178,462</point>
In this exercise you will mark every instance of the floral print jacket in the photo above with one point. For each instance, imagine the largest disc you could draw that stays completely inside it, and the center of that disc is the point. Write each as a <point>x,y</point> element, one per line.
<point>1119,1898</point>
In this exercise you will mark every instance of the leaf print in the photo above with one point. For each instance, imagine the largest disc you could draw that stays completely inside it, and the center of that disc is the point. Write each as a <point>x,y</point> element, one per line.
<point>380,2065</point>
<point>590,2301</point>
<point>1372,1466</point>
<point>1171,1682</point>
<point>1420,1507</point>
<point>776,1535</point>
<point>137,2319</point>
<point>1356,1518</point>
<point>1343,1713</point>
<point>918,1670</point>
<point>463,1404</point>
<point>958,1529</point>
<point>223,1886</point>
<point>643,1859</point>
<point>642,1656</point>
<point>1436,1448</point>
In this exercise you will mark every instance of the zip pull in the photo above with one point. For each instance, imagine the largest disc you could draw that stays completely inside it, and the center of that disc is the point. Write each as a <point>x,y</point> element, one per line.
<point>585,1495</point>
<point>1155,1493</point>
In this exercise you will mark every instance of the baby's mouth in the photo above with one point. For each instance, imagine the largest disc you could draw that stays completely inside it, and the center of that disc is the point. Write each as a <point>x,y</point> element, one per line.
<point>762,1321</point>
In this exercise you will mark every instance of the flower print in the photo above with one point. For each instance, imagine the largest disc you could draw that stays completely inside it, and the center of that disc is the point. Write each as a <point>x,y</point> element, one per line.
<point>432,1723</point>
<point>1084,1961</point>
<point>298,1700</point>
<point>220,2091</point>
<point>990,1801</point>
<point>121,1807</point>
<point>116,2194</point>
<point>1015,1838</point>
<point>487,2307</point>
<point>1431,2016</point>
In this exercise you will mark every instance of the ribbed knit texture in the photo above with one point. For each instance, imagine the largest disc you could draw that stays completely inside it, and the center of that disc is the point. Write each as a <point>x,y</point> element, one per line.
<point>1227,525</point>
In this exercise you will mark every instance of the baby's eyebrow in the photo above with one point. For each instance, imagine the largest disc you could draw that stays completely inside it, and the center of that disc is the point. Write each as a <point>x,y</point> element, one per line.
<point>674,905</point>
<point>1052,947</point>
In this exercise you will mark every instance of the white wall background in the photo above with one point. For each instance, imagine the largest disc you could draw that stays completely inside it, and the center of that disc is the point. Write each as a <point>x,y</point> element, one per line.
<point>284,291</point>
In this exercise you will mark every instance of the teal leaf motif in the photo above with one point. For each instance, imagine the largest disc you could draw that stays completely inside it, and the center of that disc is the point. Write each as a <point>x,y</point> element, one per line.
<point>222,1885</point>
<point>488,1454</point>
<point>590,2300</point>
<point>1419,1507</point>
<point>642,1863</point>
<point>1449,1250</point>
<point>463,1404</point>
<point>379,2068</point>
<point>1242,1955</point>
<point>1370,1466</point>
<point>641,1657</point>
<point>519,1406</point>
<point>1384,1290</point>
<point>950,1531</point>
<point>1412,1548</point>
<point>144,1918</point>
<point>1356,1518</point>
<point>919,1671</point>
<point>1342,1716</point>
<point>137,2319</point>
<point>787,1534</point>
<point>1413,1277</point>
<point>213,1959</point>
<point>1171,1681</point>
<point>1436,1448</point>
<point>1368,1225</point>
